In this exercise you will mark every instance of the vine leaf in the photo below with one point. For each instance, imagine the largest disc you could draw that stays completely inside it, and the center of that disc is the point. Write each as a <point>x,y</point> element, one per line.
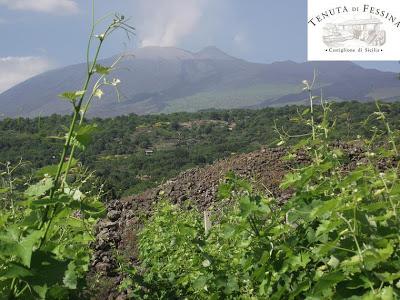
<point>14,270</point>
<point>70,279</point>
<point>39,189</point>
<point>72,96</point>
<point>83,136</point>
<point>51,170</point>
<point>102,70</point>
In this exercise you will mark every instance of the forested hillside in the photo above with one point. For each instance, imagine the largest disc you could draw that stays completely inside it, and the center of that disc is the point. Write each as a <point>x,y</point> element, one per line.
<point>132,153</point>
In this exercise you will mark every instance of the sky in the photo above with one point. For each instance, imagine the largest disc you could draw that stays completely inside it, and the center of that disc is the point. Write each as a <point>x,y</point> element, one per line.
<point>38,35</point>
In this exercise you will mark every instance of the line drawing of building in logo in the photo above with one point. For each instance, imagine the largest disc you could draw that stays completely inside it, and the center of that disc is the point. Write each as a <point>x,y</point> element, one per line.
<point>354,33</point>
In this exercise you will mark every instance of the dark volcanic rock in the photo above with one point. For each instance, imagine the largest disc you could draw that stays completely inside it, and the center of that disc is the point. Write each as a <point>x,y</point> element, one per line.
<point>113,215</point>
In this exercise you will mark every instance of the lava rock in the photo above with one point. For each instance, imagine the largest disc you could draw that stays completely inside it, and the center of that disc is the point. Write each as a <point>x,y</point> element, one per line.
<point>113,215</point>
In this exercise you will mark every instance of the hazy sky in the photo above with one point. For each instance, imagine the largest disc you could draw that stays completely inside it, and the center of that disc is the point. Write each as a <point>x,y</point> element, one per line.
<point>37,35</point>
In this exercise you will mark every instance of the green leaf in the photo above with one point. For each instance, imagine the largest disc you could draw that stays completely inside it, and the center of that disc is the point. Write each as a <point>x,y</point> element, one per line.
<point>57,199</point>
<point>200,283</point>
<point>353,177</point>
<point>71,279</point>
<point>41,291</point>
<point>13,270</point>
<point>299,261</point>
<point>388,277</point>
<point>72,96</point>
<point>387,293</point>
<point>246,206</point>
<point>325,207</point>
<point>395,191</point>
<point>374,256</point>
<point>40,188</point>
<point>327,226</point>
<point>290,180</point>
<point>51,170</point>
<point>102,70</point>
<point>231,285</point>
<point>10,246</point>
<point>94,208</point>
<point>27,245</point>
<point>328,281</point>
<point>83,136</point>
<point>228,230</point>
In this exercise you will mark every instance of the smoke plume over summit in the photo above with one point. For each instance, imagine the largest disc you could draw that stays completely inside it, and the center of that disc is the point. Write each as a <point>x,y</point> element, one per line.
<point>166,22</point>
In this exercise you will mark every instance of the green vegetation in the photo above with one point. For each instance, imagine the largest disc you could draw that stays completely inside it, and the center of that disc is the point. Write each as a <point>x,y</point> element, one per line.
<point>46,227</point>
<point>179,141</point>
<point>336,238</point>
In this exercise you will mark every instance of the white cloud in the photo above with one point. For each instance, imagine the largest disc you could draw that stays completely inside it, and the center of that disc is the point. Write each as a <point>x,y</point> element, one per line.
<point>14,70</point>
<point>47,6</point>
<point>167,22</point>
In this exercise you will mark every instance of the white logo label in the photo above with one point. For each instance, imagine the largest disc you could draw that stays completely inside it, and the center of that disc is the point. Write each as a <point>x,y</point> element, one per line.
<point>353,30</point>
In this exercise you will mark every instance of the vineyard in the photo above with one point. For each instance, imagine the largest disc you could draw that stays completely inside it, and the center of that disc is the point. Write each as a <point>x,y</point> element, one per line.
<point>297,202</point>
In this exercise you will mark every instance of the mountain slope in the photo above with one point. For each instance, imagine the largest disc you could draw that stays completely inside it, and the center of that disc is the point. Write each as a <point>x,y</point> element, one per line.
<point>156,79</point>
